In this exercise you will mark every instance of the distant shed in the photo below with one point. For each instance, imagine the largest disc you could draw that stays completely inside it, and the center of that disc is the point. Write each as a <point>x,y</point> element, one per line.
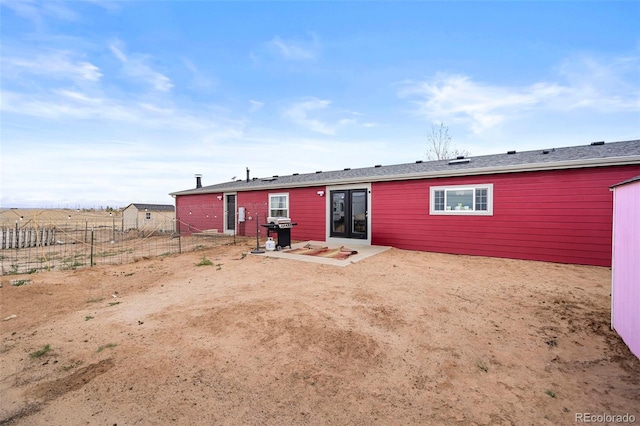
<point>149,217</point>
<point>625,285</point>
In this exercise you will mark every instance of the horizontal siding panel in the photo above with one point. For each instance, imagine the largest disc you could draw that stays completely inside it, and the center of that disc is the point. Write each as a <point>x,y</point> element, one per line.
<point>195,213</point>
<point>530,237</point>
<point>306,208</point>
<point>561,216</point>
<point>583,256</point>
<point>595,245</point>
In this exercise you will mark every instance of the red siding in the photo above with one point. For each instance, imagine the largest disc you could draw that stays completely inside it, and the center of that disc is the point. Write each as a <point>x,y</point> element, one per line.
<point>195,213</point>
<point>560,216</point>
<point>256,204</point>
<point>306,208</point>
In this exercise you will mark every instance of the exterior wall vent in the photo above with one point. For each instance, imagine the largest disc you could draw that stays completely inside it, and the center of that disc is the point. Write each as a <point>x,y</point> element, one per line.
<point>460,161</point>
<point>510,152</point>
<point>597,143</point>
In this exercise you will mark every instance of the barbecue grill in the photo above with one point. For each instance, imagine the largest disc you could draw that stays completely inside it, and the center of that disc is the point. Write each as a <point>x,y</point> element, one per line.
<point>281,226</point>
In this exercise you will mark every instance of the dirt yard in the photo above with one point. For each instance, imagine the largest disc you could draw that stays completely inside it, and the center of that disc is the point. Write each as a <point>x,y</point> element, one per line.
<point>400,338</point>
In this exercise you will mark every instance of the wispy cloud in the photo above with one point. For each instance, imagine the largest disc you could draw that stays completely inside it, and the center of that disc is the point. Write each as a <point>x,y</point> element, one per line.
<point>316,115</point>
<point>66,104</point>
<point>255,105</point>
<point>38,11</point>
<point>52,64</point>
<point>299,114</point>
<point>582,83</point>
<point>137,67</point>
<point>295,50</point>
<point>198,79</point>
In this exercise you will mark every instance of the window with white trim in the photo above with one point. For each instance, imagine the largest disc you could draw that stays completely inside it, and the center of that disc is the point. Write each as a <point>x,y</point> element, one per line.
<point>279,205</point>
<point>462,200</point>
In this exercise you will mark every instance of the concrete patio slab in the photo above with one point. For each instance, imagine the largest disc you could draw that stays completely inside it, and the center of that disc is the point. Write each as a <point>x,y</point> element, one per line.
<point>364,251</point>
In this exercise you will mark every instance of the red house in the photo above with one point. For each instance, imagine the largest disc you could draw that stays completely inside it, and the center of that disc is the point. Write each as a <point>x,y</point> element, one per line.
<point>550,204</point>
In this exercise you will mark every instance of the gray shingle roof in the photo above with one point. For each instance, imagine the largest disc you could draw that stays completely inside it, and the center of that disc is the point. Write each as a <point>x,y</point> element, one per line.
<point>154,207</point>
<point>592,155</point>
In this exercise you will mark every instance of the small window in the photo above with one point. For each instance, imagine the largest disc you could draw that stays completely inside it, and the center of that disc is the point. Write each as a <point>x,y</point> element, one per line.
<point>147,216</point>
<point>279,205</point>
<point>462,200</point>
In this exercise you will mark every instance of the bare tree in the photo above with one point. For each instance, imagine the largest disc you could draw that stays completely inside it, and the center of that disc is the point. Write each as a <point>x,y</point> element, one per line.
<point>439,144</point>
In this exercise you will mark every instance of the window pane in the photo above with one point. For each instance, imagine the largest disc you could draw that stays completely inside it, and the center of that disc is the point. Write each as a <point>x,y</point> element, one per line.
<point>481,199</point>
<point>278,206</point>
<point>278,201</point>
<point>460,199</point>
<point>438,200</point>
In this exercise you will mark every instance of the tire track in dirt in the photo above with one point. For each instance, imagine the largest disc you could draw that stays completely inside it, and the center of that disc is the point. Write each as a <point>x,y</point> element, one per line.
<point>46,392</point>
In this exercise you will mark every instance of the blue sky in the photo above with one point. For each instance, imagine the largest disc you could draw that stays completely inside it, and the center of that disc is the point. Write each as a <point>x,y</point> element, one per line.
<point>107,103</point>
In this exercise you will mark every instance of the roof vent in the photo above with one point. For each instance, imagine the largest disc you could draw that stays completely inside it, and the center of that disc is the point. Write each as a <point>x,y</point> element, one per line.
<point>460,161</point>
<point>378,165</point>
<point>597,143</point>
<point>319,171</point>
<point>296,174</point>
<point>459,157</point>
<point>275,176</point>
<point>419,161</point>
<point>546,151</point>
<point>510,152</point>
<point>347,168</point>
<point>268,179</point>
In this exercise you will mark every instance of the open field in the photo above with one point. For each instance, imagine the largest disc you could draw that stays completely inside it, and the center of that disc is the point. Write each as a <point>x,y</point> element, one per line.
<point>58,217</point>
<point>398,338</point>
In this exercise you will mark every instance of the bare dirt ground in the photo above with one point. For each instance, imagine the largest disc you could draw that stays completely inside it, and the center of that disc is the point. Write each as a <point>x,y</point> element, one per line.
<point>398,338</point>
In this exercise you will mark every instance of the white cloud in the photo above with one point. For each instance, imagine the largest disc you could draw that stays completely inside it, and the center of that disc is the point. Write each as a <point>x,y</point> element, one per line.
<point>314,114</point>
<point>54,64</point>
<point>583,83</point>
<point>136,66</point>
<point>299,114</point>
<point>78,96</point>
<point>38,11</point>
<point>295,50</point>
<point>198,79</point>
<point>255,105</point>
<point>65,104</point>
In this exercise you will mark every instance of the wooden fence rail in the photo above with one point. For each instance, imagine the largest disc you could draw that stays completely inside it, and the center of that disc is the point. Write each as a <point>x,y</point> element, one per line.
<point>14,238</point>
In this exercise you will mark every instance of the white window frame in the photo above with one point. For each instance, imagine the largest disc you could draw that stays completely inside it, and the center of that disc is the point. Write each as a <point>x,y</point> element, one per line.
<point>280,194</point>
<point>487,186</point>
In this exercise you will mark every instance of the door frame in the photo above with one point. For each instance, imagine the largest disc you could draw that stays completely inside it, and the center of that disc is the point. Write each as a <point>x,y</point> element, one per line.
<point>329,215</point>
<point>225,222</point>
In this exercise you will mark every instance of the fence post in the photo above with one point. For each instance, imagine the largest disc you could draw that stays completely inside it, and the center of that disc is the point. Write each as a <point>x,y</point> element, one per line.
<point>91,257</point>
<point>179,243</point>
